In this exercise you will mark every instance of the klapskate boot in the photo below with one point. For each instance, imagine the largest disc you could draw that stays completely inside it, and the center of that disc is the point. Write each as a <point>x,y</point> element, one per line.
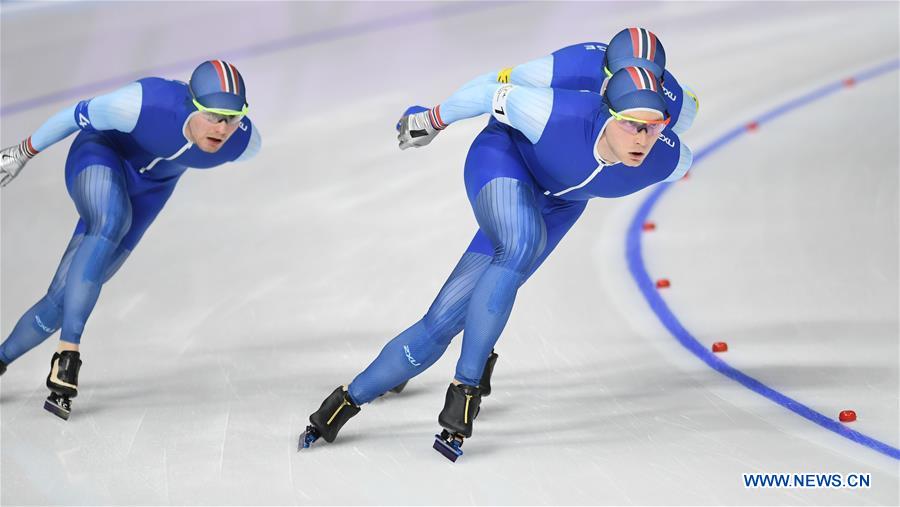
<point>63,382</point>
<point>335,411</point>
<point>461,405</point>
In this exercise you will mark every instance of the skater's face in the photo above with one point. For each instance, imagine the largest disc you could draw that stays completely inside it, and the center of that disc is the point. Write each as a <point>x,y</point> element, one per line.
<point>629,147</point>
<point>207,134</point>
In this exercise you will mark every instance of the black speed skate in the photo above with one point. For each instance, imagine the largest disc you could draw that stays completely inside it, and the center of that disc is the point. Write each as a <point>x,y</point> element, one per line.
<point>335,411</point>
<point>2,368</point>
<point>62,382</point>
<point>460,409</point>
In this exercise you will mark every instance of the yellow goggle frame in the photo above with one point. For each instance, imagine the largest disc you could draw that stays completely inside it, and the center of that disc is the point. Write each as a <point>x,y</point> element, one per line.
<point>223,112</point>
<point>619,116</point>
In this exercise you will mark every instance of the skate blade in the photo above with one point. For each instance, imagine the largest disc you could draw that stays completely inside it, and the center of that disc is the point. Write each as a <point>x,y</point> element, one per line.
<point>399,388</point>
<point>450,451</point>
<point>56,410</point>
<point>307,438</point>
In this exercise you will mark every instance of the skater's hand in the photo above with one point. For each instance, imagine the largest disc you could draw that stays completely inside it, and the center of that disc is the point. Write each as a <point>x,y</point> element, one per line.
<point>410,110</point>
<point>12,160</point>
<point>416,128</point>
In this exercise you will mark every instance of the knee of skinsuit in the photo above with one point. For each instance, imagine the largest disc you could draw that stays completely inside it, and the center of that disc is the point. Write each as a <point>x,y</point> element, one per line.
<point>423,344</point>
<point>508,214</point>
<point>447,314</point>
<point>440,329</point>
<point>114,230</point>
<point>111,226</point>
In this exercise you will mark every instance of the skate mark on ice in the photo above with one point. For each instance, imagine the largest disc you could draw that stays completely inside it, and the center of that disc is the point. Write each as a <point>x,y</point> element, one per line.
<point>136,431</point>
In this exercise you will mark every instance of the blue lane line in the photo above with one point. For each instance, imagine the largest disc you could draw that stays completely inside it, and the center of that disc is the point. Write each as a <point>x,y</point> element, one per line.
<point>668,319</point>
<point>297,41</point>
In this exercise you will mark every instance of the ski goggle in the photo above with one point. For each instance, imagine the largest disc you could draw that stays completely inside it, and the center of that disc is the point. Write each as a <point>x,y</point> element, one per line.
<point>634,125</point>
<point>214,115</point>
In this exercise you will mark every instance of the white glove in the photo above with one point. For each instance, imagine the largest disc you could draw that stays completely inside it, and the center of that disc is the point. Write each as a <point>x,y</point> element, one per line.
<point>12,160</point>
<point>418,128</point>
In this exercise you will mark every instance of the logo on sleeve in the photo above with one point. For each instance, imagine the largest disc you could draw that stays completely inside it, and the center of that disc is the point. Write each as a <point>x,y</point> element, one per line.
<point>504,75</point>
<point>83,121</point>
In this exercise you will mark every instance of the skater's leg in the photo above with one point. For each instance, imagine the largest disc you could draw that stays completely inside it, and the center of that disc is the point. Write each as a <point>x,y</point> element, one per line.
<point>418,347</point>
<point>407,355</point>
<point>114,223</point>
<point>66,362</point>
<point>36,325</point>
<point>101,197</point>
<point>559,217</point>
<point>45,317</point>
<point>503,196</point>
<point>144,210</point>
<point>145,207</point>
<point>508,213</point>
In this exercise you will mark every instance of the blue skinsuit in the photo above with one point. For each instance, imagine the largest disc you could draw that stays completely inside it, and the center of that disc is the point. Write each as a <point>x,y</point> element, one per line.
<point>121,169</point>
<point>528,176</point>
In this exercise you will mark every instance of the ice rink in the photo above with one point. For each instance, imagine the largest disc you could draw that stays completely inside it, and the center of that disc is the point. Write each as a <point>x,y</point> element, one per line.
<point>264,285</point>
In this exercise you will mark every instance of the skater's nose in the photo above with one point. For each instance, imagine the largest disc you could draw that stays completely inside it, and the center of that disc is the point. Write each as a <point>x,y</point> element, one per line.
<point>642,138</point>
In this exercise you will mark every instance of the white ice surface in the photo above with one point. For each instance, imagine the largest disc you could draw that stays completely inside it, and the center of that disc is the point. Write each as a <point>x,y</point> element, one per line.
<point>264,285</point>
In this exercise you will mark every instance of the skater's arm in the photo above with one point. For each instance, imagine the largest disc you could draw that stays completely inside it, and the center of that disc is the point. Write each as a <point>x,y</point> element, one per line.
<point>57,128</point>
<point>419,129</point>
<point>536,73</point>
<point>14,158</point>
<point>118,110</point>
<point>523,108</point>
